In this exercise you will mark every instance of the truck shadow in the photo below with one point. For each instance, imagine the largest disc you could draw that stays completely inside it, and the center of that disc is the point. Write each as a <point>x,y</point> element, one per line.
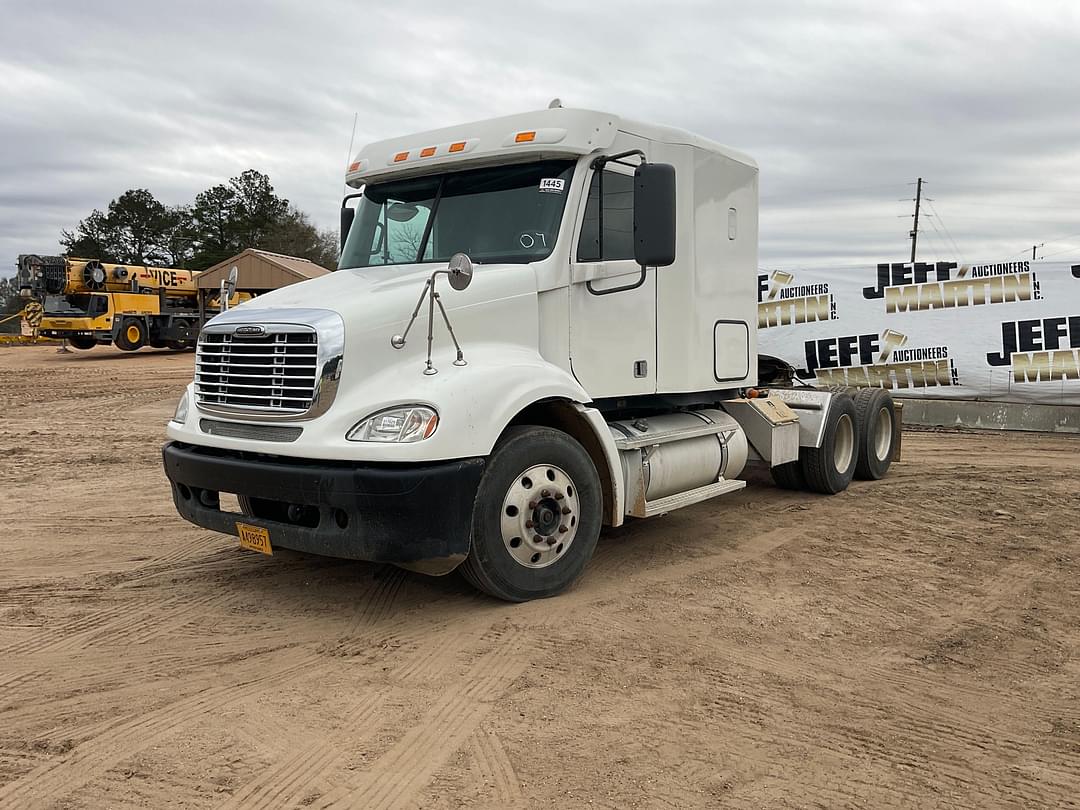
<point>96,356</point>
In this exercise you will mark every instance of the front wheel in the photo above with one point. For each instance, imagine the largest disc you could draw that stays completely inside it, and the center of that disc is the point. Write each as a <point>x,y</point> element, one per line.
<point>536,517</point>
<point>82,342</point>
<point>132,335</point>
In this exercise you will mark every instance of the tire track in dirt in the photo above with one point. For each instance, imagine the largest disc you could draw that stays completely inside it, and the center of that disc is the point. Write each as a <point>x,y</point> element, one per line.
<point>90,759</point>
<point>32,705</point>
<point>115,623</point>
<point>418,755</point>
<point>114,742</point>
<point>496,769</point>
<point>291,780</point>
<point>409,765</point>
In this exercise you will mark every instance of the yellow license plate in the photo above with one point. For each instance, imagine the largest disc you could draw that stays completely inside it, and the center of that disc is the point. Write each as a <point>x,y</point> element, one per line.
<point>255,538</point>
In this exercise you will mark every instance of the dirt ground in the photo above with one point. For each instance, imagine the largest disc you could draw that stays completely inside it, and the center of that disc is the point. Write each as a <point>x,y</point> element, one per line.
<point>910,643</point>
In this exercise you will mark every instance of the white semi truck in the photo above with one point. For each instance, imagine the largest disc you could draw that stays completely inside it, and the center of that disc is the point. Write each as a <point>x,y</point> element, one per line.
<point>541,324</point>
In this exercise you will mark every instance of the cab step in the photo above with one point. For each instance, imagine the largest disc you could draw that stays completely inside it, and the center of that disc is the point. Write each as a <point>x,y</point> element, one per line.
<point>688,498</point>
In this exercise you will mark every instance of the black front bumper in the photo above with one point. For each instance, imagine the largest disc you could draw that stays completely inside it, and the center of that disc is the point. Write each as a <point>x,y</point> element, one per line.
<point>417,516</point>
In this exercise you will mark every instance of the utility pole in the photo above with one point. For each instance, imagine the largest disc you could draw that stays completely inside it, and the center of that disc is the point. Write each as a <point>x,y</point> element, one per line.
<point>915,230</point>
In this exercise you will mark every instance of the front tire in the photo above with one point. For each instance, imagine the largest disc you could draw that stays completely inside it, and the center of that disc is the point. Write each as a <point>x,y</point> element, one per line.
<point>82,342</point>
<point>536,517</point>
<point>132,335</point>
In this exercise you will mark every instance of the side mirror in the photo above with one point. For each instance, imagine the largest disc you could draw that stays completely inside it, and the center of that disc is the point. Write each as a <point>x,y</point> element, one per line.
<point>228,289</point>
<point>654,214</point>
<point>460,270</point>
<point>347,215</point>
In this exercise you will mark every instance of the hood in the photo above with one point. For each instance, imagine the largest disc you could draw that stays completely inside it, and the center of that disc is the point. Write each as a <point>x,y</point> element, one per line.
<point>372,297</point>
<point>498,309</point>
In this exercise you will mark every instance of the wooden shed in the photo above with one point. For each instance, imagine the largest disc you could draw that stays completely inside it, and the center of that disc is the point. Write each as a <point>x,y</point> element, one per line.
<point>257,271</point>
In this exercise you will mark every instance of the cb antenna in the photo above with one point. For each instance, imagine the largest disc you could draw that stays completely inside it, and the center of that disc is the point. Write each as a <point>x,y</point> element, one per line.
<point>348,155</point>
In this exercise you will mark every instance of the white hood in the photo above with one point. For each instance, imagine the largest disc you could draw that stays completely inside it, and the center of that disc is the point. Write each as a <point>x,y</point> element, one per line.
<point>496,321</point>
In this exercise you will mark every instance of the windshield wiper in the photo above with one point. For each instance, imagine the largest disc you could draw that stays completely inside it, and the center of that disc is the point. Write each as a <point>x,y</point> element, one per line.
<point>430,221</point>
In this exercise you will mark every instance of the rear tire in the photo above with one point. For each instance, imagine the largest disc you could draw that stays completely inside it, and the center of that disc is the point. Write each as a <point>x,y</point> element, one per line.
<point>82,342</point>
<point>829,469</point>
<point>132,335</point>
<point>876,418</point>
<point>536,517</point>
<point>788,476</point>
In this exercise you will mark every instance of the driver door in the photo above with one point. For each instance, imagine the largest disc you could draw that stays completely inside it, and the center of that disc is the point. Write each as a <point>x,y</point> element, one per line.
<point>612,309</point>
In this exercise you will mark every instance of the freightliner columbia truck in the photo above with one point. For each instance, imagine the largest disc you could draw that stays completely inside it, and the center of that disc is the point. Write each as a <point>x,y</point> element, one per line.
<point>542,324</point>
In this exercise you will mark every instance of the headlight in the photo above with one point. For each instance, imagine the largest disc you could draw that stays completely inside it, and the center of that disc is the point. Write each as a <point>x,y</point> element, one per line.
<point>406,423</point>
<point>181,409</point>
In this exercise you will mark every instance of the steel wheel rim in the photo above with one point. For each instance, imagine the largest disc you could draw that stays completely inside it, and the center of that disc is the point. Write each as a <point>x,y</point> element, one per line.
<point>883,434</point>
<point>133,334</point>
<point>540,516</point>
<point>844,443</point>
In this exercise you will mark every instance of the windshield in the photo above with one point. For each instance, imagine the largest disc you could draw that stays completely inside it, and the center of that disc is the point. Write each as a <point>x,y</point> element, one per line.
<point>75,305</point>
<point>501,214</point>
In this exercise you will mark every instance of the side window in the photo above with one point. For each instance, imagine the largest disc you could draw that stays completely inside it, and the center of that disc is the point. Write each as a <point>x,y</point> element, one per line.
<point>618,219</point>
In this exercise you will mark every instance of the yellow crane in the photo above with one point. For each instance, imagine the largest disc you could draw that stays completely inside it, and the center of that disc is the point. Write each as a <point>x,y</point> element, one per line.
<point>88,302</point>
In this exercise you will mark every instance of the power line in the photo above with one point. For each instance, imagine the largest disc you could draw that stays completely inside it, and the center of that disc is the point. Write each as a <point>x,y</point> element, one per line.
<point>1058,253</point>
<point>1006,189</point>
<point>945,227</point>
<point>940,236</point>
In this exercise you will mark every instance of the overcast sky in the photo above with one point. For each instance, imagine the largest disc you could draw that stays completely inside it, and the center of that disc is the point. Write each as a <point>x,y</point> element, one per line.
<point>842,104</point>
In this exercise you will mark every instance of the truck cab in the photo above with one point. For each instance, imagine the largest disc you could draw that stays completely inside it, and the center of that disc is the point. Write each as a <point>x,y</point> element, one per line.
<point>540,324</point>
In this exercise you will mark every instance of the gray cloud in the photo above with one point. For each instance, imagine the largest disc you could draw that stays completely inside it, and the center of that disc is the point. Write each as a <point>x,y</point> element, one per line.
<point>843,104</point>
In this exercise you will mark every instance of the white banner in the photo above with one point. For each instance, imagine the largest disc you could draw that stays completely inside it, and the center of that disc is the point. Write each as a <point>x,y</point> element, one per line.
<point>1005,331</point>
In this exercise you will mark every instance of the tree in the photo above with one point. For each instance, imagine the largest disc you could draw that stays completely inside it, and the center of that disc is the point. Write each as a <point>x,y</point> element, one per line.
<point>259,211</point>
<point>136,229</point>
<point>226,219</point>
<point>177,236</point>
<point>211,226</point>
<point>294,235</point>
<point>223,220</point>
<point>137,224</point>
<point>10,303</point>
<point>90,239</point>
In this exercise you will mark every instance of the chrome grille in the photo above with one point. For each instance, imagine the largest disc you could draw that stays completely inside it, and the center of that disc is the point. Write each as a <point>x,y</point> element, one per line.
<point>276,373</point>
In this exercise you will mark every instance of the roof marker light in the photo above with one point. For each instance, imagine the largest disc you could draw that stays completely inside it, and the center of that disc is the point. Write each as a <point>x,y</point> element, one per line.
<point>457,147</point>
<point>427,151</point>
<point>400,156</point>
<point>354,166</point>
<point>525,137</point>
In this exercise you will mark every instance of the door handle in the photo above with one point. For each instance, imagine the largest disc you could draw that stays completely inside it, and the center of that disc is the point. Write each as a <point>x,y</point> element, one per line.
<point>623,288</point>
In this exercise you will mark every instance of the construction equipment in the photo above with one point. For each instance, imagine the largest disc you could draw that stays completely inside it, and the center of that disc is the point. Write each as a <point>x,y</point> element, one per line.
<point>88,302</point>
